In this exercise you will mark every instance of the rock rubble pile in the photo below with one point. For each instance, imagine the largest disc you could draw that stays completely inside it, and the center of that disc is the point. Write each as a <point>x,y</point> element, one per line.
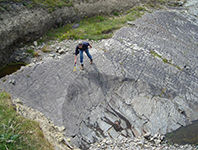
<point>139,144</point>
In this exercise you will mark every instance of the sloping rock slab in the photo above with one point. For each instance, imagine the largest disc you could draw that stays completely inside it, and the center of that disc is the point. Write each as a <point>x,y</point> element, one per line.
<point>143,80</point>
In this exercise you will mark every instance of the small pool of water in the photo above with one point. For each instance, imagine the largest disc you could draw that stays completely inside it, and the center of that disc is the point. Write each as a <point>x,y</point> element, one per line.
<point>10,68</point>
<point>184,135</point>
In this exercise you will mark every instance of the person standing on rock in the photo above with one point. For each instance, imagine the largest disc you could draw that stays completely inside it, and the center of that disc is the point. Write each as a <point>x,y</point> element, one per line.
<point>80,48</point>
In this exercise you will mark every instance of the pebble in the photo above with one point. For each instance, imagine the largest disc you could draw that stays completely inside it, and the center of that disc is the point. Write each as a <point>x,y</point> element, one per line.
<point>139,144</point>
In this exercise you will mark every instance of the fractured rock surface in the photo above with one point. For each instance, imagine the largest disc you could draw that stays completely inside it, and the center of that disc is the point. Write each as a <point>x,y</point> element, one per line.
<point>143,80</point>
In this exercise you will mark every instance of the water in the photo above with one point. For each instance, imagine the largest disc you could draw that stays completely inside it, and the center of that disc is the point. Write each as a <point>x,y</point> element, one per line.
<point>184,135</point>
<point>10,68</point>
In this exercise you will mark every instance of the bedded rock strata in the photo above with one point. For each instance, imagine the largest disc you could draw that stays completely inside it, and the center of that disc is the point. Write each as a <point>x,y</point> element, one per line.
<point>144,81</point>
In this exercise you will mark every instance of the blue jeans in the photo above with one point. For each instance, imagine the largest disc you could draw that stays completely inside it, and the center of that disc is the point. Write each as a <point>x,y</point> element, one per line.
<point>81,55</point>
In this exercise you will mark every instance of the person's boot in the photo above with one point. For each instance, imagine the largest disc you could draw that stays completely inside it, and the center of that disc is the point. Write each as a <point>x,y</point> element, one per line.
<point>91,61</point>
<point>81,67</point>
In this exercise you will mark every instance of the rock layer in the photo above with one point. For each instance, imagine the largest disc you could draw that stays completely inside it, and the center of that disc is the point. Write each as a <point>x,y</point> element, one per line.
<point>143,80</point>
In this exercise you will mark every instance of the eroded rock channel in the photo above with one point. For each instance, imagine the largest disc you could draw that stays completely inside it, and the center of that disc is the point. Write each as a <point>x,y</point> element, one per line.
<point>143,80</point>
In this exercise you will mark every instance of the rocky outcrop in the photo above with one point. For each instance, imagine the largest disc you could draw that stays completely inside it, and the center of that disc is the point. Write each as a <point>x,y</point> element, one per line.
<point>21,24</point>
<point>143,81</point>
<point>192,7</point>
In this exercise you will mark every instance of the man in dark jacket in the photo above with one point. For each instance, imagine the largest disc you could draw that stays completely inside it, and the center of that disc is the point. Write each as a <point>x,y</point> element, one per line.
<point>80,48</point>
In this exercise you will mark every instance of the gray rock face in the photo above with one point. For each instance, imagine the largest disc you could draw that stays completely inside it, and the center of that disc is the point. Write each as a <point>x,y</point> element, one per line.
<point>143,80</point>
<point>192,6</point>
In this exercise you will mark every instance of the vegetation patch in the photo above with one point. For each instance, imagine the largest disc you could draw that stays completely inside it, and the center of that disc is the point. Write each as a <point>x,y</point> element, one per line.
<point>45,49</point>
<point>35,53</point>
<point>16,132</point>
<point>31,52</point>
<point>155,54</point>
<point>94,28</point>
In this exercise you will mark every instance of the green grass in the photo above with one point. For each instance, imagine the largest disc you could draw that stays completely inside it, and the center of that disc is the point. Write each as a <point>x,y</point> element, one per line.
<point>45,49</point>
<point>16,132</point>
<point>32,52</point>
<point>155,54</point>
<point>94,28</point>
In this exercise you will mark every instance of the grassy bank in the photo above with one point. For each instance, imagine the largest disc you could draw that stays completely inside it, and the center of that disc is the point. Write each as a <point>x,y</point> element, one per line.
<point>16,132</point>
<point>94,28</point>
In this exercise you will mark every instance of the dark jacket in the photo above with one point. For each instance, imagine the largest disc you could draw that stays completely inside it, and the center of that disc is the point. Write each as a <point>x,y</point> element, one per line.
<point>84,47</point>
